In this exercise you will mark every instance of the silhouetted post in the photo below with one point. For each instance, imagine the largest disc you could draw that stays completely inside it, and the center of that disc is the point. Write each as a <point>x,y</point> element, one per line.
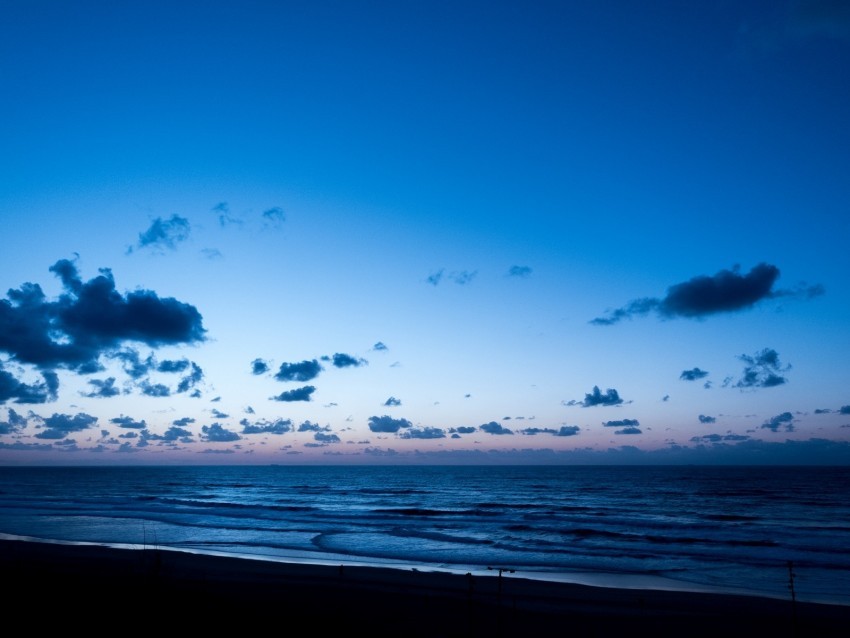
<point>791,575</point>
<point>501,569</point>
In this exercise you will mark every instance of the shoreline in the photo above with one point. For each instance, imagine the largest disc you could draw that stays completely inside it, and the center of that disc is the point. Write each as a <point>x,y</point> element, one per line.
<point>195,590</point>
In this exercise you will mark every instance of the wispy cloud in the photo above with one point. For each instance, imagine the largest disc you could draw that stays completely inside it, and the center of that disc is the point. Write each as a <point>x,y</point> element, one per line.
<point>163,234</point>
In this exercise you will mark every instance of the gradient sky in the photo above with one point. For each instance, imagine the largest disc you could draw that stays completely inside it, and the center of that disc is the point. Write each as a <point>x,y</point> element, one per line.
<point>425,232</point>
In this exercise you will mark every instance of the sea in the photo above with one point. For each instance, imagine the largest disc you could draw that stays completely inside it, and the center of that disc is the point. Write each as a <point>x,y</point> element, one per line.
<point>780,532</point>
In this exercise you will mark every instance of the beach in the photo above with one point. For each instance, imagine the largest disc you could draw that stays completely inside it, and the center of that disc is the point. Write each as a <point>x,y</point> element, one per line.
<point>66,586</point>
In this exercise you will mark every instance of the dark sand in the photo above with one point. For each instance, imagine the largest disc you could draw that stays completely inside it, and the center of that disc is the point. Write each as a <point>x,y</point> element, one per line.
<point>103,590</point>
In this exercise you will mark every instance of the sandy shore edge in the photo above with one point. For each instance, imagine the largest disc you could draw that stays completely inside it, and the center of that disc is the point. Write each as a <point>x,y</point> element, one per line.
<point>197,591</point>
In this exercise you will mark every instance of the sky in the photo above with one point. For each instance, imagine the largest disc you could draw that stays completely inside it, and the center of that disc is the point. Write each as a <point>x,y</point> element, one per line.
<point>370,232</point>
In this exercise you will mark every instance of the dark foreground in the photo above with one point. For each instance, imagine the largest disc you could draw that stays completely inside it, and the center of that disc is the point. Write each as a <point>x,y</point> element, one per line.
<point>103,591</point>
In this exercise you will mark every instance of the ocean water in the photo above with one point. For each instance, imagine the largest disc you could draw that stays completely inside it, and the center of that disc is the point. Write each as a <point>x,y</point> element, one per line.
<point>753,530</point>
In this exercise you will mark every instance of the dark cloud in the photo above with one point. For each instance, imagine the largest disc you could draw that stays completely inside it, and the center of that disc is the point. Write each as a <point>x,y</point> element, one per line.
<point>463,429</point>
<point>387,424</point>
<point>59,426</point>
<point>190,380</point>
<point>392,401</point>
<point>693,374</point>
<point>127,422</point>
<point>299,394</point>
<point>175,433</point>
<point>535,431</point>
<point>217,433</point>
<point>718,438</point>
<point>519,271</point>
<point>495,428</point>
<point>324,437</point>
<point>763,370</point>
<point>304,371</point>
<point>15,423</point>
<point>784,421</point>
<point>258,366</point>
<point>170,365</point>
<point>103,388</point>
<point>164,233</point>
<point>186,420</point>
<point>278,426</point>
<point>706,419</point>
<point>133,364</point>
<point>309,426</point>
<point>621,423</point>
<point>88,320</point>
<point>595,397</point>
<point>568,430</point>
<point>629,431</point>
<point>726,291</point>
<point>845,409</point>
<point>19,392</point>
<point>342,360</point>
<point>154,389</point>
<point>423,433</point>
<point>218,414</point>
<point>379,346</point>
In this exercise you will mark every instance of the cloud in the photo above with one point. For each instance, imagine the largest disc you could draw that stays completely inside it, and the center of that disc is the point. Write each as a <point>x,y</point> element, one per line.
<point>763,370</point>
<point>175,433</point>
<point>629,431</point>
<point>278,426</point>
<point>341,360</point>
<point>463,429</point>
<point>212,254</point>
<point>392,401</point>
<point>379,346</point>
<point>702,296</point>
<point>495,428</point>
<point>300,394</point>
<point>59,426</point>
<point>258,366</point>
<point>163,233</point>
<point>519,271</point>
<point>13,389</point>
<point>595,397</point>
<point>568,430</point>
<point>218,414</point>
<point>186,420</point>
<point>693,374</point>
<point>423,433</point>
<point>461,277</point>
<point>621,423</point>
<point>103,388</point>
<point>273,218</point>
<point>222,210</point>
<point>88,320</point>
<point>191,379</point>
<point>217,433</point>
<point>304,371</point>
<point>845,409</point>
<point>15,423</point>
<point>784,420</point>
<point>127,422</point>
<point>154,389</point>
<point>323,437</point>
<point>706,419</point>
<point>309,426</point>
<point>387,424</point>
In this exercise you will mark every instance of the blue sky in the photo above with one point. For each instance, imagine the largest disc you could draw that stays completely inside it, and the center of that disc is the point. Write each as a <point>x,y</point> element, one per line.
<point>425,232</point>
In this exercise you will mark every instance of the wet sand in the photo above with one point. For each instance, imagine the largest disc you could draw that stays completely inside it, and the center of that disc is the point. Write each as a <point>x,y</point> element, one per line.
<point>107,590</point>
